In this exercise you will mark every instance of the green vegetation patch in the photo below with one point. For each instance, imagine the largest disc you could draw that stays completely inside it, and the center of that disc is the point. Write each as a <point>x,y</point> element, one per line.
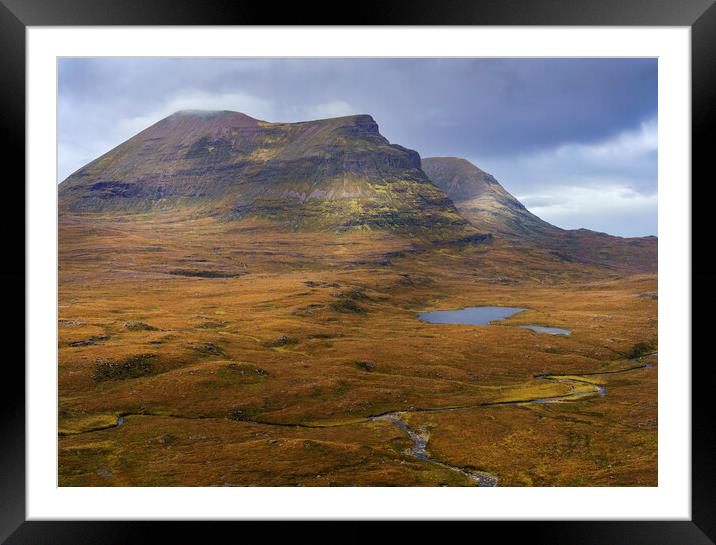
<point>355,294</point>
<point>203,274</point>
<point>69,425</point>
<point>348,305</point>
<point>208,349</point>
<point>283,340</point>
<point>212,325</point>
<point>167,439</point>
<point>242,373</point>
<point>364,365</point>
<point>241,414</point>
<point>94,339</point>
<point>316,284</point>
<point>139,326</point>
<point>132,367</point>
<point>347,301</point>
<point>641,349</point>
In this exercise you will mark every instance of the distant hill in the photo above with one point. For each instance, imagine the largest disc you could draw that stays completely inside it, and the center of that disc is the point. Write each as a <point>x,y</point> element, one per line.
<point>481,199</point>
<point>335,173</point>
<point>490,208</point>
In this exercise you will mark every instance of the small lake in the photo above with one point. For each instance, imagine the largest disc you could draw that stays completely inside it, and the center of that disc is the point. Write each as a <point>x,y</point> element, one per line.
<point>469,315</point>
<point>483,316</point>
<point>548,330</point>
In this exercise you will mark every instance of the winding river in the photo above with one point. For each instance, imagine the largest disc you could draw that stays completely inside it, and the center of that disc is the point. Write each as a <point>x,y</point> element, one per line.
<point>482,478</point>
<point>419,449</point>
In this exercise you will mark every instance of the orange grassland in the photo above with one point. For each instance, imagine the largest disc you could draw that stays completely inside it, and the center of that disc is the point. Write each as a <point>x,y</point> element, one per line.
<point>244,354</point>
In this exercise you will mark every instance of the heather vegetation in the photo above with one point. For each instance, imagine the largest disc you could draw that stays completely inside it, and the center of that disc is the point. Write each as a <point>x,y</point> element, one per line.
<point>238,306</point>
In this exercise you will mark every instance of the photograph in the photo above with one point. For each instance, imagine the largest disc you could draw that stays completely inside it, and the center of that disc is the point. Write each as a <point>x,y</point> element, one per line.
<point>434,263</point>
<point>357,272</point>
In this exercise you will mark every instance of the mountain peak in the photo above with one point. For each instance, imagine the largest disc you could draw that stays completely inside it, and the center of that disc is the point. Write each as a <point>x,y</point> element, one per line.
<point>210,116</point>
<point>480,197</point>
<point>206,113</point>
<point>337,173</point>
<point>458,177</point>
<point>362,122</point>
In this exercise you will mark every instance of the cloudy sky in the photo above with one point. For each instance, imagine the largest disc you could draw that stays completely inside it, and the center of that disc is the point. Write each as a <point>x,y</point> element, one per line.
<point>574,139</point>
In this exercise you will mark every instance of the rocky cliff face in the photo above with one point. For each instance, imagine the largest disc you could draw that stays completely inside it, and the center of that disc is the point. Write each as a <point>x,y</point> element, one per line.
<point>335,173</point>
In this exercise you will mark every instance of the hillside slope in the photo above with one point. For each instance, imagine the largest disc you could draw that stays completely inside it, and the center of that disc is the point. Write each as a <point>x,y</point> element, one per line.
<point>481,199</point>
<point>490,208</point>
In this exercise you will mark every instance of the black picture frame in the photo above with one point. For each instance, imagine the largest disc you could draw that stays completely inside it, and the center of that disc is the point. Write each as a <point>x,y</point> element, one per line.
<point>16,15</point>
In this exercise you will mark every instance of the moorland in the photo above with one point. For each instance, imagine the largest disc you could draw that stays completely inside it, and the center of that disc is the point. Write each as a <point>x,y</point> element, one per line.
<point>238,306</point>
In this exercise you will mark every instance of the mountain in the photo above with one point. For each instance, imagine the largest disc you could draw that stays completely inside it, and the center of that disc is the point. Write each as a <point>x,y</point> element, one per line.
<point>490,208</point>
<point>481,199</point>
<point>335,173</point>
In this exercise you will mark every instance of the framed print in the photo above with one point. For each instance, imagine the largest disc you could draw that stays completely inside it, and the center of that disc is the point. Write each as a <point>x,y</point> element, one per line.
<point>436,265</point>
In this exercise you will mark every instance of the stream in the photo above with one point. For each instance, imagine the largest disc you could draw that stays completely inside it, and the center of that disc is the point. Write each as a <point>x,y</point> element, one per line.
<point>482,478</point>
<point>419,450</point>
<point>420,440</point>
